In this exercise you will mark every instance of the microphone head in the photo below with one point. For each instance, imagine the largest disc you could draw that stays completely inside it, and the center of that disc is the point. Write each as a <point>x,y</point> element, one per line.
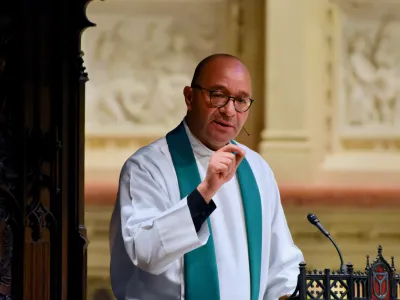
<point>312,219</point>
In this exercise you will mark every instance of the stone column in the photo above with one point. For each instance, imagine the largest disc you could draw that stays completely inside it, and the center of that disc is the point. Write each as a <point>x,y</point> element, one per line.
<point>296,86</point>
<point>332,98</point>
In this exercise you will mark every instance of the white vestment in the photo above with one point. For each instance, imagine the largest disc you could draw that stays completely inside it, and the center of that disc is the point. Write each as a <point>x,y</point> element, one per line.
<point>151,230</point>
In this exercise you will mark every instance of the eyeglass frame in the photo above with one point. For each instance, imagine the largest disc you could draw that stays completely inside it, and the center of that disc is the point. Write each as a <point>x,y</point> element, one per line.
<point>197,86</point>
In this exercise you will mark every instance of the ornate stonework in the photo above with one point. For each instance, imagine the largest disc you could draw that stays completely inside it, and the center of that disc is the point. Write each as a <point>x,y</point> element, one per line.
<point>363,142</point>
<point>329,104</point>
<point>141,58</point>
<point>369,74</point>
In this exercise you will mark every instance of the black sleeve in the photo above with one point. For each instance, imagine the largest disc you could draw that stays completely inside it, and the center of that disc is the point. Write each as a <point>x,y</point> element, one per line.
<point>199,209</point>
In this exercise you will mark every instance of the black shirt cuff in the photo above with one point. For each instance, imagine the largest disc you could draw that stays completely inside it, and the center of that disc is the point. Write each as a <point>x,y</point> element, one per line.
<point>199,209</point>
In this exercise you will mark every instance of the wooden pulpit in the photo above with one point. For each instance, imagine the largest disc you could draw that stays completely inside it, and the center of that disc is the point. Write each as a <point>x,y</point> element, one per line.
<point>379,281</point>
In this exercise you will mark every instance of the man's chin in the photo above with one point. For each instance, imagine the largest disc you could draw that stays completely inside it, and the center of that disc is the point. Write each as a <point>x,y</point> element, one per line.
<point>219,142</point>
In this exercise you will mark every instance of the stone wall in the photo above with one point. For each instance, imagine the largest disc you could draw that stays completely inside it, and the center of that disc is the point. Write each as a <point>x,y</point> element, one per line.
<point>358,218</point>
<point>333,91</point>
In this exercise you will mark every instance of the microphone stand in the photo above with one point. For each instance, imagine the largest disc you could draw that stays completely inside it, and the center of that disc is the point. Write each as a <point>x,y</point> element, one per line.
<point>342,265</point>
<point>314,221</point>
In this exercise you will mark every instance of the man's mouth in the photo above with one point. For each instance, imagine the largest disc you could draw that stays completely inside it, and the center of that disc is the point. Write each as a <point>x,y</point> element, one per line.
<point>223,124</point>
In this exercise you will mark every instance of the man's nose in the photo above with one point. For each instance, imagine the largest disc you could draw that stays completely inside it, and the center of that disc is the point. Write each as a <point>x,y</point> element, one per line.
<point>229,109</point>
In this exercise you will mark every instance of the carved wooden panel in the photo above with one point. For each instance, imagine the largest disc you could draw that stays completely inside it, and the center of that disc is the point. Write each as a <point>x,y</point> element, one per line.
<point>11,190</point>
<point>42,234</point>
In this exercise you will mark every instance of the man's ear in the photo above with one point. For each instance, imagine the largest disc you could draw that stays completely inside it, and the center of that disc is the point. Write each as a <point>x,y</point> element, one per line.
<point>188,93</point>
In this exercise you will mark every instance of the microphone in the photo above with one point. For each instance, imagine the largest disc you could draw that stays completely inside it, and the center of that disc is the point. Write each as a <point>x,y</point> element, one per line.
<point>246,131</point>
<point>314,221</point>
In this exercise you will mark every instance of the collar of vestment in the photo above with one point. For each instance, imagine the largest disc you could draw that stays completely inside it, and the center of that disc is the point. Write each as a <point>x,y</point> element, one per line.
<point>201,272</point>
<point>198,147</point>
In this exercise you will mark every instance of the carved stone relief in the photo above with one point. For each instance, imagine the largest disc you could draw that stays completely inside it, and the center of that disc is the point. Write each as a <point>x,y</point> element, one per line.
<point>370,69</point>
<point>140,61</point>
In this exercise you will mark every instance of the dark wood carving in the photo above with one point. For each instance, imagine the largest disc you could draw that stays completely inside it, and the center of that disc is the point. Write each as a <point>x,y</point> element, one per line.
<point>42,93</point>
<point>379,281</point>
<point>80,239</point>
<point>11,209</point>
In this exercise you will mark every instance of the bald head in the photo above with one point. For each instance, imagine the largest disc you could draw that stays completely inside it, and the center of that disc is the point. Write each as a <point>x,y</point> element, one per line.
<point>218,77</point>
<point>203,65</point>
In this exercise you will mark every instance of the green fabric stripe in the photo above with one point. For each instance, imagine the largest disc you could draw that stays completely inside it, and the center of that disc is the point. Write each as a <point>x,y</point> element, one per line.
<point>201,272</point>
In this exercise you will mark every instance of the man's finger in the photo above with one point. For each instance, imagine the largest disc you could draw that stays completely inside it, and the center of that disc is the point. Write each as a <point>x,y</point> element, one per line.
<point>239,159</point>
<point>230,161</point>
<point>233,149</point>
<point>226,161</point>
<point>222,169</point>
<point>229,155</point>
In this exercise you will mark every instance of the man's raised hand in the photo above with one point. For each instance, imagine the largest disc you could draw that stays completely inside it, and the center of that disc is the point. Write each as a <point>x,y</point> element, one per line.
<point>221,169</point>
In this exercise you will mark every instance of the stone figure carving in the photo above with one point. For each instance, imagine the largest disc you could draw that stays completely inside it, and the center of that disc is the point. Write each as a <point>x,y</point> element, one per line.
<point>139,66</point>
<point>372,74</point>
<point>360,78</point>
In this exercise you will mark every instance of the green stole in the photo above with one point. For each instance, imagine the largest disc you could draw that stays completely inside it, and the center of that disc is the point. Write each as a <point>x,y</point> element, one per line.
<point>201,273</point>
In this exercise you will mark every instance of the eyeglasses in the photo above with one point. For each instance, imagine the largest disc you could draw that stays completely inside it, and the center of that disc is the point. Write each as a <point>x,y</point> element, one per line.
<point>219,99</point>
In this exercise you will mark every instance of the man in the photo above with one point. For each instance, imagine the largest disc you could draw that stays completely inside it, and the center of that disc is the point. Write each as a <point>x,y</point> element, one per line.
<point>198,216</point>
